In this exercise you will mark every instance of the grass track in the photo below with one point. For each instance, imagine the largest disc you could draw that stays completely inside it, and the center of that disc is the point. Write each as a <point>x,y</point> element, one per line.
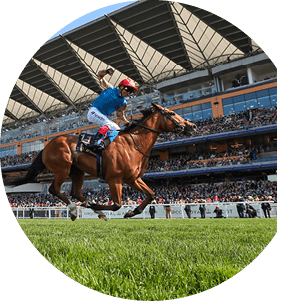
<point>150,259</point>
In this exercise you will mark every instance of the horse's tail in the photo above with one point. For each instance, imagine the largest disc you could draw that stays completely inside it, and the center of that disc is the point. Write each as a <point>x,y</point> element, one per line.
<point>34,170</point>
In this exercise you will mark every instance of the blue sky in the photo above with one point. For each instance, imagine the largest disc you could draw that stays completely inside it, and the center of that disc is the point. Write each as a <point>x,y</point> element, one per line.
<point>91,16</point>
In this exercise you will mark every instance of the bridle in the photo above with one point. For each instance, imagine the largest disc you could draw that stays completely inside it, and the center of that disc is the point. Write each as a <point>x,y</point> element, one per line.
<point>179,128</point>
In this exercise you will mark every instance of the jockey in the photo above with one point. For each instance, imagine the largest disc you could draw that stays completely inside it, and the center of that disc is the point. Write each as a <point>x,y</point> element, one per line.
<point>110,100</point>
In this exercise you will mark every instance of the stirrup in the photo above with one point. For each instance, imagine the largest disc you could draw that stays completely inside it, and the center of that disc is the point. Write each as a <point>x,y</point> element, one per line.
<point>94,144</point>
<point>96,147</point>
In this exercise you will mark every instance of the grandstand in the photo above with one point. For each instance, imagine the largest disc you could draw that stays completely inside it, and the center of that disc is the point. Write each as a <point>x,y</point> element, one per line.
<point>181,57</point>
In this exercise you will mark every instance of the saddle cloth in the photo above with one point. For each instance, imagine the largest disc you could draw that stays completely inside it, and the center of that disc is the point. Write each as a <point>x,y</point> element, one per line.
<point>84,140</point>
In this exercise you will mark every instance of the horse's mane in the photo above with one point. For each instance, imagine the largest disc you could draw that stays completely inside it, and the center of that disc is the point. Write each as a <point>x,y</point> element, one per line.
<point>146,112</point>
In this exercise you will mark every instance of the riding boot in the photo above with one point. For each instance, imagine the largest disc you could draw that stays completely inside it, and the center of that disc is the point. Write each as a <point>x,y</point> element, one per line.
<point>95,144</point>
<point>96,137</point>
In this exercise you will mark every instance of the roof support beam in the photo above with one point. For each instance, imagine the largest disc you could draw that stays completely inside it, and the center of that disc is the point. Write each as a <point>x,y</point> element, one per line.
<point>125,50</point>
<point>10,115</point>
<point>192,36</point>
<point>30,100</point>
<point>250,44</point>
<point>68,100</point>
<point>82,62</point>
<point>179,34</point>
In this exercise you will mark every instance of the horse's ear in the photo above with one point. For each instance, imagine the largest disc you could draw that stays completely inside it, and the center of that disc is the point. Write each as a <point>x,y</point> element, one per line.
<point>156,106</point>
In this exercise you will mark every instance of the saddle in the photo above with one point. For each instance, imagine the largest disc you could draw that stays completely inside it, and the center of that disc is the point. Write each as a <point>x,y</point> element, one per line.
<point>84,141</point>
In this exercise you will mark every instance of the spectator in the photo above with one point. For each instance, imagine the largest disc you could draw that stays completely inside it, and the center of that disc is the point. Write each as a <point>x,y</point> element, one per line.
<point>152,209</point>
<point>202,208</point>
<point>167,208</point>
<point>240,208</point>
<point>266,208</point>
<point>31,213</point>
<point>251,211</point>
<point>218,212</point>
<point>175,193</point>
<point>187,208</point>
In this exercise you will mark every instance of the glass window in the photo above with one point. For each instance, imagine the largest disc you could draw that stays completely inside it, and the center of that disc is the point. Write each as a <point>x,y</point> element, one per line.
<point>197,115</point>
<point>188,116</point>
<point>33,146</point>
<point>238,107</point>
<point>8,151</point>
<point>229,109</point>
<point>273,91</point>
<point>238,98</point>
<point>262,93</point>
<point>206,105</point>
<point>179,111</point>
<point>251,104</point>
<point>186,110</point>
<point>273,100</point>
<point>207,114</point>
<point>197,108</point>
<point>227,101</point>
<point>264,102</point>
<point>250,96</point>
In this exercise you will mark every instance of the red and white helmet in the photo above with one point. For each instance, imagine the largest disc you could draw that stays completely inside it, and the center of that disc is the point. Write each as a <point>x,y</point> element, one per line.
<point>129,83</point>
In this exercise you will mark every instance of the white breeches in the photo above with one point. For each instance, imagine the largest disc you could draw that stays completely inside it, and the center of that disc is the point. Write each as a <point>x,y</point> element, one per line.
<point>101,120</point>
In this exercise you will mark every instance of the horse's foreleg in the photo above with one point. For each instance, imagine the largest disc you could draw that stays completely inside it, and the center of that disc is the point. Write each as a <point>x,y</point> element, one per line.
<point>116,194</point>
<point>97,207</point>
<point>140,186</point>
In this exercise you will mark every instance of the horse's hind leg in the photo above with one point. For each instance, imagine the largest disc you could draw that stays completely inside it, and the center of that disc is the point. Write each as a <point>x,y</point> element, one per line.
<point>77,177</point>
<point>55,189</point>
<point>139,185</point>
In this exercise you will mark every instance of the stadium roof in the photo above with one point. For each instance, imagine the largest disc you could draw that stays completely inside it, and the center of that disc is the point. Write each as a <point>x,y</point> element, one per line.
<point>148,41</point>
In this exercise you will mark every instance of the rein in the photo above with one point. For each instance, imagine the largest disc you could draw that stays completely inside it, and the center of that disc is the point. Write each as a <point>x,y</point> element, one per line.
<point>152,130</point>
<point>138,148</point>
<point>178,127</point>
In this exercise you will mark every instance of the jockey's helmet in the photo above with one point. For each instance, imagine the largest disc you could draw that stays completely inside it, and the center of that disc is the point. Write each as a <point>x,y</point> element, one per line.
<point>129,83</point>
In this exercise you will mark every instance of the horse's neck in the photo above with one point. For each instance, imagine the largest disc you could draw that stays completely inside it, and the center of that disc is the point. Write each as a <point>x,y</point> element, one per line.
<point>147,138</point>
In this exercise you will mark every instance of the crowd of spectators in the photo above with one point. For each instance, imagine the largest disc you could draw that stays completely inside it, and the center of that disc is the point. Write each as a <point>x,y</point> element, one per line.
<point>199,160</point>
<point>227,123</point>
<point>209,126</point>
<point>24,158</point>
<point>174,163</point>
<point>176,194</point>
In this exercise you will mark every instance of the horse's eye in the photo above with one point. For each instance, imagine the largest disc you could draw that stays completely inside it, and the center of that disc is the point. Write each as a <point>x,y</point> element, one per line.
<point>172,113</point>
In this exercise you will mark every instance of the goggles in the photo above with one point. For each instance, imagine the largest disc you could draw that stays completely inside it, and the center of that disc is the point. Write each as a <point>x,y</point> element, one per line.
<point>129,89</point>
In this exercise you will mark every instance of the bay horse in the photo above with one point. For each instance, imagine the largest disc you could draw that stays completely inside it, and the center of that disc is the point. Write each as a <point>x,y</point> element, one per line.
<point>124,160</point>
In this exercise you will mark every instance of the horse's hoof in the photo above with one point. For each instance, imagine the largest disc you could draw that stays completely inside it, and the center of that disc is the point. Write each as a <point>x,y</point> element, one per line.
<point>73,217</point>
<point>103,217</point>
<point>130,213</point>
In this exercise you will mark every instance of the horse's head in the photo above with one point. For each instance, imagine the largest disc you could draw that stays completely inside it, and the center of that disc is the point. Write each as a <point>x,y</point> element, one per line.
<point>174,122</point>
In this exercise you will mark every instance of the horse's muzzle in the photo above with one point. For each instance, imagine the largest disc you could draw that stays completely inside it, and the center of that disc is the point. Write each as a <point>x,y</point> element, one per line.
<point>190,129</point>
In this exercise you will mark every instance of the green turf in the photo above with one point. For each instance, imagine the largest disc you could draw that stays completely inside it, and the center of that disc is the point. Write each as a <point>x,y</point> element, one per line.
<point>150,259</point>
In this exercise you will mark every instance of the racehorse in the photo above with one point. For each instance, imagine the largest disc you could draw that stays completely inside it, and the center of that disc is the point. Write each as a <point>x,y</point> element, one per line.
<point>124,160</point>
